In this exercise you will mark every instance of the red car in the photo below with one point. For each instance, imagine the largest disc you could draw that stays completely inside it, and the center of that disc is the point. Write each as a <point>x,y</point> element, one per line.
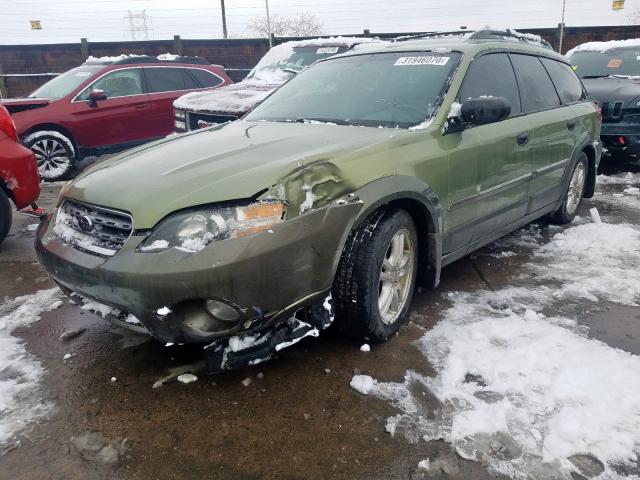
<point>106,105</point>
<point>18,174</point>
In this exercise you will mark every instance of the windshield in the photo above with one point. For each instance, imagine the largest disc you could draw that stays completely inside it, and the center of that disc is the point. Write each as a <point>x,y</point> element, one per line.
<point>64,84</point>
<point>382,89</point>
<point>621,61</point>
<point>282,61</point>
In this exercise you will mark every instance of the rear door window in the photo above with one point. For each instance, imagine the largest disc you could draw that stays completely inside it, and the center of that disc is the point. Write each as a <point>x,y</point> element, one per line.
<point>536,88</point>
<point>165,79</point>
<point>491,76</point>
<point>566,81</point>
<point>205,78</point>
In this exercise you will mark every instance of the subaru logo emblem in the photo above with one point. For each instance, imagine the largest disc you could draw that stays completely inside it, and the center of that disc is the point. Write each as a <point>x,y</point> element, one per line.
<point>85,223</point>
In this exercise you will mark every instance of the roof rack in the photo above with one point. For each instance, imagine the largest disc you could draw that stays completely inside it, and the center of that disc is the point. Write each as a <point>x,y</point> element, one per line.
<point>522,37</point>
<point>431,35</point>
<point>485,34</point>
<point>150,59</point>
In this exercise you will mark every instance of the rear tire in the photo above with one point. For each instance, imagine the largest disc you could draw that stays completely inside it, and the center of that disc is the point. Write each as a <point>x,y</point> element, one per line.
<point>5,215</point>
<point>573,194</point>
<point>55,154</point>
<point>376,276</point>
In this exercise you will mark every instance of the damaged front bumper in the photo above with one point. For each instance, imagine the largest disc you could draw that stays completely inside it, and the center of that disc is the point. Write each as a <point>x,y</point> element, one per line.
<point>263,278</point>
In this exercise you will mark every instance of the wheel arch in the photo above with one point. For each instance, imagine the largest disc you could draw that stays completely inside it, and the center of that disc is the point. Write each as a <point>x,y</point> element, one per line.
<point>55,127</point>
<point>585,145</point>
<point>422,203</point>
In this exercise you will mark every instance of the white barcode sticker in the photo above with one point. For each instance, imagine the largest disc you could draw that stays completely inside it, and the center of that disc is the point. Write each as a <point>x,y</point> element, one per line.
<point>322,50</point>
<point>427,60</point>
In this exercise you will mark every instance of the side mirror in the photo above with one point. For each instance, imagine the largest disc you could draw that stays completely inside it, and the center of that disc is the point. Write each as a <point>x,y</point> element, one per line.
<point>96,95</point>
<point>478,111</point>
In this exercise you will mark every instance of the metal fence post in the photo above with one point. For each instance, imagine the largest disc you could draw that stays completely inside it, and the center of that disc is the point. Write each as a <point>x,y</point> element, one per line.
<point>177,45</point>
<point>3,86</point>
<point>84,48</point>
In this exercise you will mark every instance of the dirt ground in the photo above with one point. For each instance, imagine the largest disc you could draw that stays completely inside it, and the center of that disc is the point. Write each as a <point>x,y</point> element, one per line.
<point>297,419</point>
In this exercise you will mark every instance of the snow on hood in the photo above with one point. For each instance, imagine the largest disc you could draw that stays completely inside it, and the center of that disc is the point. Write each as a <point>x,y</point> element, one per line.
<point>265,77</point>
<point>604,46</point>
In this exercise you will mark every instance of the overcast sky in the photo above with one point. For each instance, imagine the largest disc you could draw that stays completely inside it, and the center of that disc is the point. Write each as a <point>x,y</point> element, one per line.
<point>102,20</point>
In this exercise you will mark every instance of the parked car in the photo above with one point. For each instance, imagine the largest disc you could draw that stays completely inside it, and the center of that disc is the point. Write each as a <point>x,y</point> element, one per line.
<point>106,105</point>
<point>360,177</point>
<point>203,109</point>
<point>19,180</point>
<point>611,74</point>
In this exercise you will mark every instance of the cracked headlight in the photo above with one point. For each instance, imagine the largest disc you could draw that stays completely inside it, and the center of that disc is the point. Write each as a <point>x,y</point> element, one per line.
<point>192,231</point>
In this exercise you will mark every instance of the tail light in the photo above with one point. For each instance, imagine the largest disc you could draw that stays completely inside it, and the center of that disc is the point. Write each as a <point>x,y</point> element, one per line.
<point>6,124</point>
<point>598,110</point>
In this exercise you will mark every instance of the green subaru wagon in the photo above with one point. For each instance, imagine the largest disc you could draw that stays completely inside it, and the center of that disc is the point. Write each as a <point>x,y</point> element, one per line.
<point>351,184</point>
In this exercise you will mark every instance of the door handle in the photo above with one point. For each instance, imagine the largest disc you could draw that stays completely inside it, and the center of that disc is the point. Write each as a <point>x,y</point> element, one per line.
<point>142,107</point>
<point>571,124</point>
<point>523,138</point>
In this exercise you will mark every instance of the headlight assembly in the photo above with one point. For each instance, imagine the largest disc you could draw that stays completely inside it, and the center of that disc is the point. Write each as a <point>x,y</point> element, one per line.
<point>193,231</point>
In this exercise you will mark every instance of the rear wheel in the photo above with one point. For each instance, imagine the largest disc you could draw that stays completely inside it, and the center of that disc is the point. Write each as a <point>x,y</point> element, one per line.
<point>5,215</point>
<point>574,193</point>
<point>376,276</point>
<point>54,152</point>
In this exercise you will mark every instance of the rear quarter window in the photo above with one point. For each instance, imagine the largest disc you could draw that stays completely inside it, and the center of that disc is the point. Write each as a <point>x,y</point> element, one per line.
<point>566,81</point>
<point>536,89</point>
<point>168,79</point>
<point>205,78</point>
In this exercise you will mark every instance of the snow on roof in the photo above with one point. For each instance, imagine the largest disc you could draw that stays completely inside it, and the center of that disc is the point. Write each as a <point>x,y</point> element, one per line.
<point>605,46</point>
<point>163,57</point>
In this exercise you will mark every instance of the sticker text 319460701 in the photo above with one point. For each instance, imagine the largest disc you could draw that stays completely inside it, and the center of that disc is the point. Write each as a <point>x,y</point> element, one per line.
<point>425,60</point>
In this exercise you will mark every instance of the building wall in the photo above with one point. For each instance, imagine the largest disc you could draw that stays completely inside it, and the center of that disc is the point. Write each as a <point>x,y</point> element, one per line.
<point>237,55</point>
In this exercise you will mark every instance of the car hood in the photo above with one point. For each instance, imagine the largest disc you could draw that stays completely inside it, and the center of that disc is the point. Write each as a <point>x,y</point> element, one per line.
<point>613,89</point>
<point>14,105</point>
<point>235,161</point>
<point>237,98</point>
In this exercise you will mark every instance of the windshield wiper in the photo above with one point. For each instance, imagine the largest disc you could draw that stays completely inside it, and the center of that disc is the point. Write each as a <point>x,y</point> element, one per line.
<point>337,121</point>
<point>599,76</point>
<point>291,70</point>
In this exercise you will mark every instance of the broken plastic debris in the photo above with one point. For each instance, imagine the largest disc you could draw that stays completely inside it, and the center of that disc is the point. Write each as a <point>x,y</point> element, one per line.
<point>187,378</point>
<point>365,348</point>
<point>362,384</point>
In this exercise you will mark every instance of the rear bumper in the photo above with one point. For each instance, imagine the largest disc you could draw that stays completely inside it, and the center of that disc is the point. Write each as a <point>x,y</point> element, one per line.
<point>621,138</point>
<point>264,277</point>
<point>19,172</point>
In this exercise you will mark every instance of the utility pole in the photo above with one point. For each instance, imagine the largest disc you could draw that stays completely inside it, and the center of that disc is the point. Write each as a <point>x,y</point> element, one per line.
<point>266,2</point>
<point>564,7</point>
<point>224,20</point>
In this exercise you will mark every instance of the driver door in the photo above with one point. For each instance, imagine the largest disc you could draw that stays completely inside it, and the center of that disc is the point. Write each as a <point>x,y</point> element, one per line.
<point>489,165</point>
<point>120,118</point>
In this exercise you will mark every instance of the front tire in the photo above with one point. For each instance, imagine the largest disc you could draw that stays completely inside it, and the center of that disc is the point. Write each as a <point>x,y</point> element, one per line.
<point>5,215</point>
<point>573,194</point>
<point>55,154</point>
<point>376,276</point>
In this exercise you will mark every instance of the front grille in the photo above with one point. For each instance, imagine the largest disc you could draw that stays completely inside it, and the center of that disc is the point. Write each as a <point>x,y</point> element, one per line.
<point>93,229</point>
<point>197,120</point>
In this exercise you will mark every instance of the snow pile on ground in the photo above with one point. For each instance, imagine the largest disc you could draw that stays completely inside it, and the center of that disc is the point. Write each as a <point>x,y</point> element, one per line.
<point>604,46</point>
<point>520,387</point>
<point>21,401</point>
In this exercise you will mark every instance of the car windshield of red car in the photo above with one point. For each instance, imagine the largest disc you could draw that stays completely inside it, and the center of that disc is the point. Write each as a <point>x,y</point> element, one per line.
<point>64,84</point>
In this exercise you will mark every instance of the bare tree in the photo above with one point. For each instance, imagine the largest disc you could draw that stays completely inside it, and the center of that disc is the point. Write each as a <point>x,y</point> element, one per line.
<point>301,25</point>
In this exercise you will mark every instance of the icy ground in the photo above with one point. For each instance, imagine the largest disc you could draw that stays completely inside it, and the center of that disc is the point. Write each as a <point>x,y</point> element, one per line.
<point>520,385</point>
<point>21,399</point>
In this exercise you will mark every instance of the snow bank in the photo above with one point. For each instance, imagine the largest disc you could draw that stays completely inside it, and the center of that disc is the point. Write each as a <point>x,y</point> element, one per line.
<point>21,399</point>
<point>523,391</point>
<point>604,46</point>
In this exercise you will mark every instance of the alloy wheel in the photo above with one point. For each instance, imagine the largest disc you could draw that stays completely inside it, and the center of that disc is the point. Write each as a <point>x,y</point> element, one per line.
<point>52,157</point>
<point>576,188</point>
<point>395,277</point>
